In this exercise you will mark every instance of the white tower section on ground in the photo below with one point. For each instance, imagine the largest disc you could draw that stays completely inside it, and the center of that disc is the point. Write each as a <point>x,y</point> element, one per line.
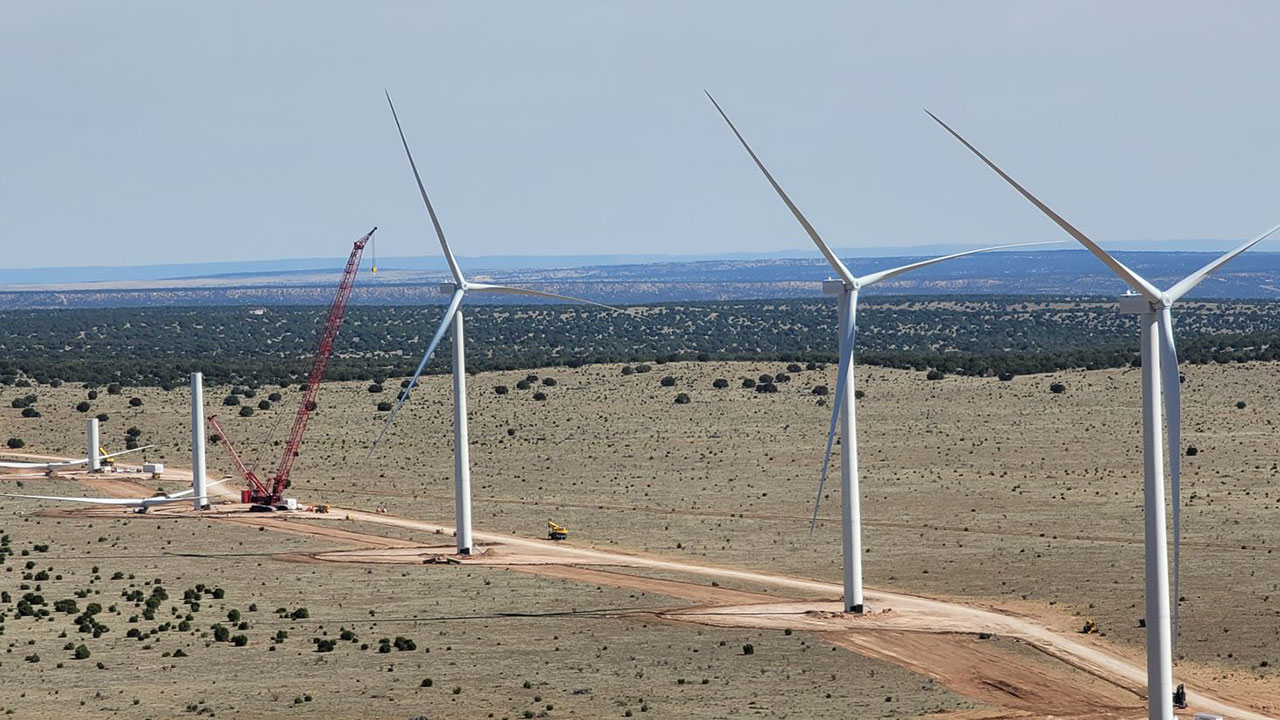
<point>91,440</point>
<point>197,441</point>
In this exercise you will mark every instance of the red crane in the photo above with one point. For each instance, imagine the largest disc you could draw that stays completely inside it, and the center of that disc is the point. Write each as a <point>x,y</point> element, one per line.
<point>258,493</point>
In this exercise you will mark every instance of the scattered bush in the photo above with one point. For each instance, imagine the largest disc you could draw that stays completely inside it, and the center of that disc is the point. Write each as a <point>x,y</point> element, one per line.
<point>549,381</point>
<point>934,375</point>
<point>1240,405</point>
<point>82,653</point>
<point>375,388</point>
<point>748,383</point>
<point>858,394</point>
<point>1192,451</point>
<point>643,368</point>
<point>82,406</point>
<point>720,383</point>
<point>221,633</point>
<point>246,411</point>
<point>820,390</point>
<point>1057,388</point>
<point>766,388</point>
<point>539,396</point>
<point>1005,376</point>
<point>231,400</point>
<point>275,397</point>
<point>384,406</point>
<point>103,417</point>
<point>627,370</point>
<point>135,402</point>
<point>765,379</point>
<point>682,399</point>
<point>668,381</point>
<point>264,404</point>
<point>113,389</point>
<point>748,649</point>
<point>93,394</point>
<point>781,378</point>
<point>523,385</point>
<point>793,368</point>
<point>30,412</point>
<point>500,389</point>
<point>240,640</point>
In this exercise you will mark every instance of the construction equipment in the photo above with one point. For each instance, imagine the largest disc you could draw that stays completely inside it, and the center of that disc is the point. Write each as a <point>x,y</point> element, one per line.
<point>259,493</point>
<point>557,532</point>
<point>1180,697</point>
<point>322,508</point>
<point>1090,628</point>
<point>105,461</point>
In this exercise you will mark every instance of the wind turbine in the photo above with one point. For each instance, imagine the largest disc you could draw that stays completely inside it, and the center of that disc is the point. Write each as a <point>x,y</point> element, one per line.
<point>453,317</point>
<point>843,407</point>
<point>1159,368</point>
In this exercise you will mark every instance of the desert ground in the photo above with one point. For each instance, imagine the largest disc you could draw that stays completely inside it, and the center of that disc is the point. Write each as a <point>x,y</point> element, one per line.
<point>689,540</point>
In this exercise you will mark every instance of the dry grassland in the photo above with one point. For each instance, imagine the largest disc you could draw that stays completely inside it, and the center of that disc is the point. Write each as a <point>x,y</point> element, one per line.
<point>973,488</point>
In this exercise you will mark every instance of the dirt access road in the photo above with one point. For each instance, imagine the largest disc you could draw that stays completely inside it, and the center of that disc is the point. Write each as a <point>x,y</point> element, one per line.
<point>1074,676</point>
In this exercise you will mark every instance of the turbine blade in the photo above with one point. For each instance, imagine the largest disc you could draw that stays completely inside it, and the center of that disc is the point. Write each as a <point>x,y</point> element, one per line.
<point>1133,279</point>
<point>435,222</point>
<point>843,373</point>
<point>125,452</point>
<point>509,290</point>
<point>1194,279</point>
<point>835,262</point>
<point>426,357</point>
<point>1172,386</point>
<point>876,277</point>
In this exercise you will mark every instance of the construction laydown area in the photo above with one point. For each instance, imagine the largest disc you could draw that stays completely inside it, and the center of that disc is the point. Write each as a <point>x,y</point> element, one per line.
<point>689,585</point>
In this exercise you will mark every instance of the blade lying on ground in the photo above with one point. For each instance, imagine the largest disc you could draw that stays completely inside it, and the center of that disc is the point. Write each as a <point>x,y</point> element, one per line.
<point>843,372</point>
<point>125,452</point>
<point>508,290</point>
<point>835,262</point>
<point>189,491</point>
<point>426,357</point>
<point>876,277</point>
<point>1195,278</point>
<point>1129,276</point>
<point>1171,384</point>
<point>435,222</point>
<point>67,463</point>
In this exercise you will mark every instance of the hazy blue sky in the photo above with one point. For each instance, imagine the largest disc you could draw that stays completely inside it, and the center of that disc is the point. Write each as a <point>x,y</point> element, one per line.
<point>171,131</point>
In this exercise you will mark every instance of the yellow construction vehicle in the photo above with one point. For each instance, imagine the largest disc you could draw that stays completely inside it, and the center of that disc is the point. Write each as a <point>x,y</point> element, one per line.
<point>322,508</point>
<point>105,461</point>
<point>556,532</point>
<point>1090,627</point>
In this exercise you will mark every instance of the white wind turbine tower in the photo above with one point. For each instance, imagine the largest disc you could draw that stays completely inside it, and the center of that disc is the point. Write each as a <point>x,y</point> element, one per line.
<point>453,316</point>
<point>843,407</point>
<point>1159,368</point>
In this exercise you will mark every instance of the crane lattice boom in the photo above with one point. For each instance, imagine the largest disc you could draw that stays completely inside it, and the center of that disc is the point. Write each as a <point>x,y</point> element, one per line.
<point>258,492</point>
